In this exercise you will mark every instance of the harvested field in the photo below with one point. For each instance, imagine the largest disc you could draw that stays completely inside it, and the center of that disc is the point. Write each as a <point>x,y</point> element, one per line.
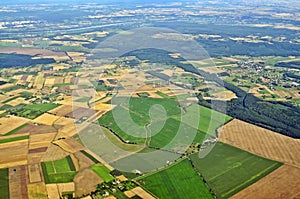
<point>35,130</point>
<point>66,127</point>
<point>54,153</point>
<point>142,193</point>
<point>62,110</point>
<point>34,171</point>
<point>40,140</point>
<point>46,119</point>
<point>17,101</point>
<point>86,182</point>
<point>34,158</point>
<point>261,141</point>
<point>52,191</point>
<point>66,187</point>
<point>13,153</point>
<point>81,112</point>
<point>102,107</point>
<point>37,191</point>
<point>17,182</point>
<point>9,123</point>
<point>281,183</point>
<point>49,81</point>
<point>55,190</point>
<point>69,145</point>
<point>83,161</point>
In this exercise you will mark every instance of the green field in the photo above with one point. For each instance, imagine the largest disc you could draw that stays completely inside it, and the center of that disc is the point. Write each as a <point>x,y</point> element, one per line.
<point>4,184</point>
<point>162,133</point>
<point>14,139</point>
<point>228,170</point>
<point>209,120</point>
<point>32,111</point>
<point>103,172</point>
<point>16,129</point>
<point>59,171</point>
<point>177,181</point>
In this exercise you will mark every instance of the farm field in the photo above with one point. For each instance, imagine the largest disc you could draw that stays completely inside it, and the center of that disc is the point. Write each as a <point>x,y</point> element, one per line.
<point>8,124</point>
<point>177,181</point>
<point>37,191</point>
<point>116,141</point>
<point>17,129</point>
<point>281,183</point>
<point>86,182</point>
<point>46,118</point>
<point>102,172</point>
<point>228,170</point>
<point>59,171</point>
<point>260,141</point>
<point>209,121</point>
<point>13,153</point>
<point>13,139</point>
<point>34,110</point>
<point>4,183</point>
<point>18,178</point>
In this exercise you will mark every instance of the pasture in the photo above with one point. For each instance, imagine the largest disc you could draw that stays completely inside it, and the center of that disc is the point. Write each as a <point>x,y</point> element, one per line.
<point>228,170</point>
<point>59,171</point>
<point>103,172</point>
<point>177,181</point>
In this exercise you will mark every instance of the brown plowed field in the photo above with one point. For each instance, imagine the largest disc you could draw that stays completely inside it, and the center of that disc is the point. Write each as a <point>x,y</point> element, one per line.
<point>283,183</point>
<point>54,153</point>
<point>86,182</point>
<point>18,178</point>
<point>261,141</point>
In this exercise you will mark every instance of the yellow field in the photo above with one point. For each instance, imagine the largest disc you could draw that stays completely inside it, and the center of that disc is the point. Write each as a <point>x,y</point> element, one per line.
<point>49,81</point>
<point>69,145</point>
<point>142,193</point>
<point>34,173</point>
<point>66,127</point>
<point>41,140</point>
<point>54,153</point>
<point>46,118</point>
<point>13,153</point>
<point>52,191</point>
<point>284,182</point>
<point>9,123</point>
<point>37,191</point>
